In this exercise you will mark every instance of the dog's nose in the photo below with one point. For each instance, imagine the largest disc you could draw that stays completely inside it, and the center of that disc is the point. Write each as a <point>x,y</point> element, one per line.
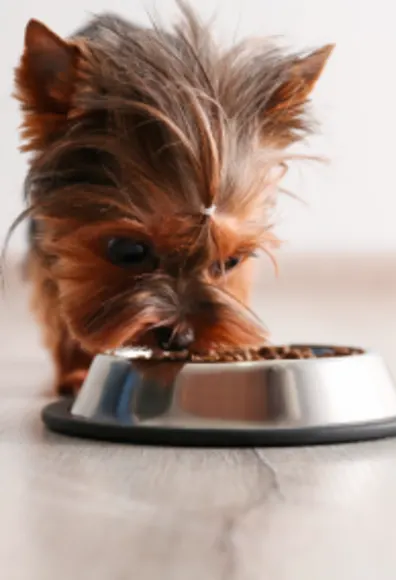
<point>170,339</point>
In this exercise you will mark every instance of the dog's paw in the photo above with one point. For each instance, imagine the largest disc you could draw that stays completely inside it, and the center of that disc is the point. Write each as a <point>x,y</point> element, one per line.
<point>70,384</point>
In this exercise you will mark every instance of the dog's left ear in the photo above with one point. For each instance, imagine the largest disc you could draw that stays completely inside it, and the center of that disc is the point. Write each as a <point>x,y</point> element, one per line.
<point>286,104</point>
<point>302,76</point>
<point>45,81</point>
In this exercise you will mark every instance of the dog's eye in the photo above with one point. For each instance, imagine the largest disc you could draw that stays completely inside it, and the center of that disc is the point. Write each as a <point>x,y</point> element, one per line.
<point>126,252</point>
<point>230,263</point>
<point>219,268</point>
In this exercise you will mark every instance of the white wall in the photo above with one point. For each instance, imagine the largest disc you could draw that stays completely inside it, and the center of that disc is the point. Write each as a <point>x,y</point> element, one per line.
<point>352,203</point>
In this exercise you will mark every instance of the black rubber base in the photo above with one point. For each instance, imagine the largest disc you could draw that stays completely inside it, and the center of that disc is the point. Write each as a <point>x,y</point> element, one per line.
<point>58,418</point>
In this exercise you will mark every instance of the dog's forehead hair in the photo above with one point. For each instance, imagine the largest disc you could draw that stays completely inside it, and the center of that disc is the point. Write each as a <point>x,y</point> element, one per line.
<point>199,239</point>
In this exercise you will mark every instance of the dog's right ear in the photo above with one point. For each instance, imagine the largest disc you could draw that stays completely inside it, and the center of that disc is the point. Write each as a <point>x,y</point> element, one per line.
<point>45,82</point>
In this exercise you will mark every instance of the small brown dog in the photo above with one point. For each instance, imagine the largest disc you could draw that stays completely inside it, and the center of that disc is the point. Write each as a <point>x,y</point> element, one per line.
<point>156,158</point>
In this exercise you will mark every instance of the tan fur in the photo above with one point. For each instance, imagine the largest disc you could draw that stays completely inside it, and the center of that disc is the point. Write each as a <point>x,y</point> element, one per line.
<point>134,133</point>
<point>71,363</point>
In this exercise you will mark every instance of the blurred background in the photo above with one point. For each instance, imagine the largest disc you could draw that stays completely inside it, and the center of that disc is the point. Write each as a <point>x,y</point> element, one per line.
<point>338,265</point>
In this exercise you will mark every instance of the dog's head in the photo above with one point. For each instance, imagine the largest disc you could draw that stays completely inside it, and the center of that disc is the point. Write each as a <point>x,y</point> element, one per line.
<point>155,162</point>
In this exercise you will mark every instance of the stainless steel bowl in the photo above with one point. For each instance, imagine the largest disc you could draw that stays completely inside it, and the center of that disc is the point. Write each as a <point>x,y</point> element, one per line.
<point>272,402</point>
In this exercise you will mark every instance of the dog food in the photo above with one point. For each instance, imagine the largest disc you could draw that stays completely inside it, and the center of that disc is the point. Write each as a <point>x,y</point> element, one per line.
<point>263,353</point>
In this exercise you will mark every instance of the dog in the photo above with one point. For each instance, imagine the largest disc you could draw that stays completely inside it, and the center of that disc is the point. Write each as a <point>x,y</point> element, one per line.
<point>155,163</point>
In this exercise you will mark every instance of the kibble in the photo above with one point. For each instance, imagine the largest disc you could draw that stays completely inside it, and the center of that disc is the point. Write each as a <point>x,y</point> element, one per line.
<point>262,353</point>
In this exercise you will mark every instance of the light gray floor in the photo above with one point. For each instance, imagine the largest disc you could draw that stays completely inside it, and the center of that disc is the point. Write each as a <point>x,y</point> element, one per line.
<point>73,509</point>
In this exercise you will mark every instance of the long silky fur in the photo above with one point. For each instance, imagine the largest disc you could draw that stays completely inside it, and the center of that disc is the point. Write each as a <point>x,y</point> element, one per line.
<point>159,125</point>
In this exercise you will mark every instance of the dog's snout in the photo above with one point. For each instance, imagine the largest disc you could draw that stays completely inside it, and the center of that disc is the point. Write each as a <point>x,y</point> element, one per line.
<point>169,338</point>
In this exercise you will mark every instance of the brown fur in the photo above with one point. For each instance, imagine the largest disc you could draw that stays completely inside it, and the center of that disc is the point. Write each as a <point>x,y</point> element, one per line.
<point>133,132</point>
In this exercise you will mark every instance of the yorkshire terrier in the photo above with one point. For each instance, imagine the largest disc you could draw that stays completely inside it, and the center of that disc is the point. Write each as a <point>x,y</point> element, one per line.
<point>156,158</point>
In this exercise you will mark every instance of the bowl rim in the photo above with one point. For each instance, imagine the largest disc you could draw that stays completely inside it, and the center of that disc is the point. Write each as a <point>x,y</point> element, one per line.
<point>205,365</point>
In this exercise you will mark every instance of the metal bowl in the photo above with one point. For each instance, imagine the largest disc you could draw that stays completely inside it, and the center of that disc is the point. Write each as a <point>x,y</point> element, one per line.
<point>275,402</point>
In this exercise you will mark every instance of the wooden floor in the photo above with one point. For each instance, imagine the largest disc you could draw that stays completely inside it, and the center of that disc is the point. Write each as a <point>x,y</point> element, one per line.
<point>78,510</point>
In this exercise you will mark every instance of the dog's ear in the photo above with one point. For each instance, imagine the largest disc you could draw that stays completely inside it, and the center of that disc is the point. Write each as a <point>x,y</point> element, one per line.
<point>301,78</point>
<point>45,81</point>
<point>286,103</point>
